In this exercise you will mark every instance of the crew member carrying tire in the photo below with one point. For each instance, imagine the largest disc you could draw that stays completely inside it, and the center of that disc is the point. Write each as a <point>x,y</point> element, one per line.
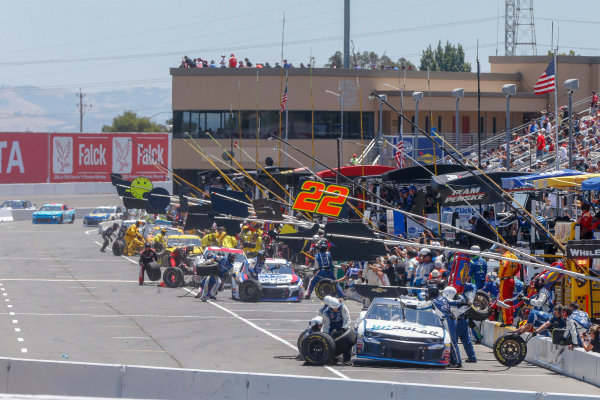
<point>161,237</point>
<point>146,257</point>
<point>211,284</point>
<point>462,321</point>
<point>107,236</point>
<point>336,320</point>
<point>314,325</point>
<point>325,265</point>
<point>134,240</point>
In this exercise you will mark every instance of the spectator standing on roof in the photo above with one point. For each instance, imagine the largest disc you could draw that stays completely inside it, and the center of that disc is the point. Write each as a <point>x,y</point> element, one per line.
<point>223,62</point>
<point>286,64</point>
<point>232,61</point>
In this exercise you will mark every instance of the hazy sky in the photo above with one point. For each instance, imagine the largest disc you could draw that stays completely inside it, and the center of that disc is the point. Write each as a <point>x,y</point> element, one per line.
<point>111,44</point>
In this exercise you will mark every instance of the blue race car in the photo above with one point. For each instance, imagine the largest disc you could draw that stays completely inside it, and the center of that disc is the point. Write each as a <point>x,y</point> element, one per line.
<point>102,214</point>
<point>278,282</point>
<point>396,330</point>
<point>55,213</point>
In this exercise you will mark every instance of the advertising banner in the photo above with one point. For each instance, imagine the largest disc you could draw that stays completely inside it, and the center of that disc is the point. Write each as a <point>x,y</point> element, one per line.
<point>93,157</point>
<point>23,158</point>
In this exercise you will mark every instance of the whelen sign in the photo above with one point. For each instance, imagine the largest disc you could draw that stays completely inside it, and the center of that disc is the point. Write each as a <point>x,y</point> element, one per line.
<point>91,157</point>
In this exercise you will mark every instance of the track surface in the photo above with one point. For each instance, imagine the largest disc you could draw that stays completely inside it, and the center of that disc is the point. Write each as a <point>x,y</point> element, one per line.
<point>60,298</point>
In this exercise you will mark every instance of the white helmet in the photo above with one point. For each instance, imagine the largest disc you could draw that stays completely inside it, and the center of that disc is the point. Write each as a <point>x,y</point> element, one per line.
<point>332,302</point>
<point>475,248</point>
<point>318,320</point>
<point>449,292</point>
<point>435,273</point>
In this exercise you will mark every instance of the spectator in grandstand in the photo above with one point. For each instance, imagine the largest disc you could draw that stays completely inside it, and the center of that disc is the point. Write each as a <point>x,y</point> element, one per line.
<point>541,143</point>
<point>286,64</point>
<point>248,63</point>
<point>232,61</point>
<point>223,62</point>
<point>594,104</point>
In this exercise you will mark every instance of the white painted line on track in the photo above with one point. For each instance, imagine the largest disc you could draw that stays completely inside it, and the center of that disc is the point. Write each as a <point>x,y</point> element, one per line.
<point>20,339</point>
<point>17,329</point>
<point>23,350</point>
<point>14,321</point>
<point>132,337</point>
<point>90,231</point>
<point>266,332</point>
<point>9,305</point>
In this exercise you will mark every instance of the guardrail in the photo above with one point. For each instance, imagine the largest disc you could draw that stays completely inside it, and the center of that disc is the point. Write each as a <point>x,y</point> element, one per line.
<point>540,351</point>
<point>56,378</point>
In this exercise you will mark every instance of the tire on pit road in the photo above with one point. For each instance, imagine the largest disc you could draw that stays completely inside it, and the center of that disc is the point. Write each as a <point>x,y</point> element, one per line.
<point>318,348</point>
<point>160,248</point>
<point>301,338</point>
<point>153,271</point>
<point>173,277</point>
<point>118,247</point>
<point>510,350</point>
<point>250,290</point>
<point>325,287</point>
<point>480,311</point>
<point>345,341</point>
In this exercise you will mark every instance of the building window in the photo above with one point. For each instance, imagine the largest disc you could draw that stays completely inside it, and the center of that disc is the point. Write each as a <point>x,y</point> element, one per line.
<point>427,125</point>
<point>439,124</point>
<point>494,124</point>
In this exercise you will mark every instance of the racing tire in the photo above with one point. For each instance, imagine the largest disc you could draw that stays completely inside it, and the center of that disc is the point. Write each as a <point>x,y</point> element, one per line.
<point>159,248</point>
<point>346,341</point>
<point>60,221</point>
<point>318,348</point>
<point>325,287</point>
<point>510,350</point>
<point>173,277</point>
<point>480,310</point>
<point>153,271</point>
<point>118,247</point>
<point>301,338</point>
<point>250,291</point>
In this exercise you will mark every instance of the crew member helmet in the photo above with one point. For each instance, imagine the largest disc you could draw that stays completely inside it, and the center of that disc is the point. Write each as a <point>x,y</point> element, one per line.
<point>332,302</point>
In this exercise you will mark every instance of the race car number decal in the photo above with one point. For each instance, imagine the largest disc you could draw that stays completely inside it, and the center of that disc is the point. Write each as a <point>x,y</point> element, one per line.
<point>312,199</point>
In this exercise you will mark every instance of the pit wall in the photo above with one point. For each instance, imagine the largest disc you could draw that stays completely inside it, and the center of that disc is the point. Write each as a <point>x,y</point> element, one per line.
<point>540,351</point>
<point>22,190</point>
<point>35,377</point>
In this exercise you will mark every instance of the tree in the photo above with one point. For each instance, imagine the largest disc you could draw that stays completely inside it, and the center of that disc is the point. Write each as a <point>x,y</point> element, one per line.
<point>571,53</point>
<point>366,59</point>
<point>447,58</point>
<point>130,122</point>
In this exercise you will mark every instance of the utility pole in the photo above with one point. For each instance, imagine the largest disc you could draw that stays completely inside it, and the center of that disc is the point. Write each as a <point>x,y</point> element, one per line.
<point>346,33</point>
<point>82,109</point>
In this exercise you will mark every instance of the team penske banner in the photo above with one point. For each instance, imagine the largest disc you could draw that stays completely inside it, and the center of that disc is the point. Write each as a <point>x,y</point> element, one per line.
<point>93,157</point>
<point>23,157</point>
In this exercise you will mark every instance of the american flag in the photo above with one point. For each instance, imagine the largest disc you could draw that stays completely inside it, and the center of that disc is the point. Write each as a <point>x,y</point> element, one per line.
<point>547,82</point>
<point>283,100</point>
<point>399,153</point>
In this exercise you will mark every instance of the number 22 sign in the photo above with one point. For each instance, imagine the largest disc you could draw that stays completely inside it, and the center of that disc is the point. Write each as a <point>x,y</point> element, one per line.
<point>312,199</point>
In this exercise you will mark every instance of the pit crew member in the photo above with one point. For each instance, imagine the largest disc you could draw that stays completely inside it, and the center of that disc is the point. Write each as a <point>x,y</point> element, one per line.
<point>146,256</point>
<point>325,265</point>
<point>336,320</point>
<point>107,236</point>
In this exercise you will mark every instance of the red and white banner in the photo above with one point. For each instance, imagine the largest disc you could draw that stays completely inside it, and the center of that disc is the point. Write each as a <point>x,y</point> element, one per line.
<point>93,157</point>
<point>23,157</point>
<point>81,157</point>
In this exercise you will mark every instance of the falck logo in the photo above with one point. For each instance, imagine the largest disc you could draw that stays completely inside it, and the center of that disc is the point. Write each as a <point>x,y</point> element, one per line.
<point>121,155</point>
<point>62,155</point>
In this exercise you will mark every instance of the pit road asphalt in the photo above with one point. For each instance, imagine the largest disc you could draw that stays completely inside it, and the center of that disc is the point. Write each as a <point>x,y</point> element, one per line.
<point>61,299</point>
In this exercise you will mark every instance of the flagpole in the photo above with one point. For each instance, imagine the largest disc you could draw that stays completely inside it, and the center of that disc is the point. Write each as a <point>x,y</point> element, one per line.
<point>281,85</point>
<point>555,103</point>
<point>286,120</point>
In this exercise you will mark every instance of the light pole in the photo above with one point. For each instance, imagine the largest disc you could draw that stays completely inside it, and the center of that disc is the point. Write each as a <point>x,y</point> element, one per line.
<point>340,95</point>
<point>571,85</point>
<point>457,94</point>
<point>508,90</point>
<point>417,97</point>
<point>401,105</point>
<point>382,98</point>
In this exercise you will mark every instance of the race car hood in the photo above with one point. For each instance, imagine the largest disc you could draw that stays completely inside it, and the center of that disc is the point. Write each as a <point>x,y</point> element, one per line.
<point>46,213</point>
<point>275,279</point>
<point>98,215</point>
<point>404,329</point>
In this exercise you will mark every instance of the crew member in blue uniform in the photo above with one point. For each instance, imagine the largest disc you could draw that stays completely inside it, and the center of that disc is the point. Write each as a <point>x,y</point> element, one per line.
<point>324,263</point>
<point>462,322</point>
<point>336,320</point>
<point>477,268</point>
<point>211,284</point>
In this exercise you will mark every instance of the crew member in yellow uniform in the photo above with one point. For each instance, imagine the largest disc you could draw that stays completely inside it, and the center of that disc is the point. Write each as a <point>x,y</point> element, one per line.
<point>506,273</point>
<point>229,242</point>
<point>134,239</point>
<point>213,239</point>
<point>161,238</point>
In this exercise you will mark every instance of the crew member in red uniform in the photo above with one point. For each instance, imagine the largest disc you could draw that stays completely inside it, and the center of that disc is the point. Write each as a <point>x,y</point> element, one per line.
<point>585,221</point>
<point>508,270</point>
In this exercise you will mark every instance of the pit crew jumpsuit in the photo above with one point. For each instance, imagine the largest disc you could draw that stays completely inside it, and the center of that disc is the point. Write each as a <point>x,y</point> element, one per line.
<point>134,240</point>
<point>353,275</point>
<point>336,320</point>
<point>543,304</point>
<point>254,268</point>
<point>325,264</point>
<point>462,324</point>
<point>442,307</point>
<point>107,236</point>
<point>478,271</point>
<point>146,256</point>
<point>211,239</point>
<point>229,242</point>
<point>506,274</point>
<point>577,323</point>
<point>211,284</point>
<point>160,238</point>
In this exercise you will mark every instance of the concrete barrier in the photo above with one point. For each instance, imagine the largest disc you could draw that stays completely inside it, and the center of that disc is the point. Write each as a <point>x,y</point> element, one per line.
<point>6,215</point>
<point>41,189</point>
<point>540,351</point>
<point>56,378</point>
<point>25,215</point>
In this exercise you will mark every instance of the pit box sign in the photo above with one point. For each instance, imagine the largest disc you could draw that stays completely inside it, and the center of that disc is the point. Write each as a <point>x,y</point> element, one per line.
<point>317,197</point>
<point>583,249</point>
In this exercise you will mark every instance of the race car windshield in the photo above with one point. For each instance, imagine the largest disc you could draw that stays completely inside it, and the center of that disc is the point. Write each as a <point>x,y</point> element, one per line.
<point>15,205</point>
<point>393,312</point>
<point>51,208</point>
<point>278,269</point>
<point>181,242</point>
<point>239,257</point>
<point>103,211</point>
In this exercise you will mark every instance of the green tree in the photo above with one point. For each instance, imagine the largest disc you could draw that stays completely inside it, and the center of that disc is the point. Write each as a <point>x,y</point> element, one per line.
<point>336,59</point>
<point>130,122</point>
<point>571,53</point>
<point>366,59</point>
<point>446,58</point>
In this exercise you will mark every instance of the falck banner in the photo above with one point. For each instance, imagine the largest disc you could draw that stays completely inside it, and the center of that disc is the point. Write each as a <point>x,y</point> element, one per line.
<point>80,157</point>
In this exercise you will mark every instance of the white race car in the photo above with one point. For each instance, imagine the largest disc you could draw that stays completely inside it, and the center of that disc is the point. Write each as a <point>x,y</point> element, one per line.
<point>277,282</point>
<point>398,330</point>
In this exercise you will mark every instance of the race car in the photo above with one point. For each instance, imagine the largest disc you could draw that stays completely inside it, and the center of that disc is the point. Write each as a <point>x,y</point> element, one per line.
<point>101,214</point>
<point>55,213</point>
<point>175,241</point>
<point>17,205</point>
<point>240,257</point>
<point>150,234</point>
<point>277,282</point>
<point>396,330</point>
